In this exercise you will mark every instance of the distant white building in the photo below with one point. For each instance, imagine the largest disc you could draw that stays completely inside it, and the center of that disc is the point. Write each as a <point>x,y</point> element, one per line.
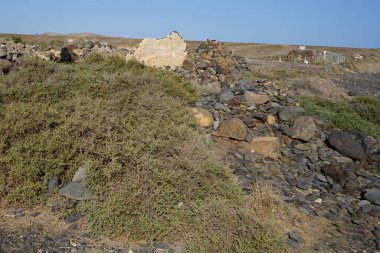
<point>302,48</point>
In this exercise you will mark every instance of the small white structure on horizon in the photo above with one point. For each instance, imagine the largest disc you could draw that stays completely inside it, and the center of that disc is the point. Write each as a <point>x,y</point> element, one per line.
<point>302,48</point>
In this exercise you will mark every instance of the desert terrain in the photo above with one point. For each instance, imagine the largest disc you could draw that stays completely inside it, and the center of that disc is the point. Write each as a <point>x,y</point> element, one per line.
<point>238,149</point>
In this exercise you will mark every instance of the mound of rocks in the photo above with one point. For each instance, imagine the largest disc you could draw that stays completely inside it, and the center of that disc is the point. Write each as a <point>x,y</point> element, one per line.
<point>213,62</point>
<point>325,172</point>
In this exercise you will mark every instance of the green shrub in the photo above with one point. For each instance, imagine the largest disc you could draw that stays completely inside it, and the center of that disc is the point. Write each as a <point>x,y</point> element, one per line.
<point>51,44</point>
<point>362,114</point>
<point>149,165</point>
<point>15,39</point>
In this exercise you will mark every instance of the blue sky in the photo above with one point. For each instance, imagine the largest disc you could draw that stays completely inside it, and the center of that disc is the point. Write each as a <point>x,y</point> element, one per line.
<point>347,23</point>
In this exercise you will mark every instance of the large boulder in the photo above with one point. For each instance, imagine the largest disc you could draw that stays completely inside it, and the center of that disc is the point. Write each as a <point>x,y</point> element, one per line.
<point>344,144</point>
<point>267,146</point>
<point>303,128</point>
<point>234,129</point>
<point>169,51</point>
<point>203,116</point>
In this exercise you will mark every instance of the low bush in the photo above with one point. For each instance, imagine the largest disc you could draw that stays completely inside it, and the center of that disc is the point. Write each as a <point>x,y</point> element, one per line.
<point>148,163</point>
<point>15,39</point>
<point>361,114</point>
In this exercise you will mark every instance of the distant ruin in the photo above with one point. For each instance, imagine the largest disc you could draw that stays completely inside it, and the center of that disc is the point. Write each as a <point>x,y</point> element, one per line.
<point>311,56</point>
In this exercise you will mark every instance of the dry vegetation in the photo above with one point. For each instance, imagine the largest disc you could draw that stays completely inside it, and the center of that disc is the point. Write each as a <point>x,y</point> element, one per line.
<point>148,163</point>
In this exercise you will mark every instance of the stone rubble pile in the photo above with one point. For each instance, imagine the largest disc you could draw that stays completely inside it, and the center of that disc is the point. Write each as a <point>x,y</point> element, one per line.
<point>325,172</point>
<point>12,51</point>
<point>212,62</point>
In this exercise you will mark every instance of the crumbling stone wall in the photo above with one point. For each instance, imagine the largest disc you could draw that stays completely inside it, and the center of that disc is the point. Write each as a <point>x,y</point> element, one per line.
<point>169,51</point>
<point>11,51</point>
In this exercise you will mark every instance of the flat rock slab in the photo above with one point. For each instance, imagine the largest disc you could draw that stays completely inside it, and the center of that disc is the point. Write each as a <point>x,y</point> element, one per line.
<point>75,190</point>
<point>344,144</point>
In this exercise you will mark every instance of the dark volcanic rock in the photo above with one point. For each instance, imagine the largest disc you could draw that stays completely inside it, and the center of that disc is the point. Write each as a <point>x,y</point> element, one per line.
<point>65,55</point>
<point>345,145</point>
<point>372,195</point>
<point>343,174</point>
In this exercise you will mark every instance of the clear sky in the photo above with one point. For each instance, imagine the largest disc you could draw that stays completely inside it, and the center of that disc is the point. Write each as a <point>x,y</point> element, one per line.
<point>347,23</point>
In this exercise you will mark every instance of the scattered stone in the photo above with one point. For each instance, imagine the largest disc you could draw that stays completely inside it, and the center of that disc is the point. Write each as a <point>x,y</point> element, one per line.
<point>234,129</point>
<point>219,106</point>
<point>303,128</point>
<point>266,146</point>
<point>289,113</point>
<point>75,190</point>
<point>345,145</point>
<point>344,175</point>
<point>271,119</point>
<point>342,159</point>
<point>304,184</point>
<point>374,211</point>
<point>62,242</point>
<point>203,117</point>
<point>372,195</point>
<point>73,218</point>
<point>35,214</point>
<point>80,175</point>
<point>226,95</point>
<point>253,98</point>
<point>296,237</point>
<point>52,185</point>
<point>72,226</point>
<point>215,125</point>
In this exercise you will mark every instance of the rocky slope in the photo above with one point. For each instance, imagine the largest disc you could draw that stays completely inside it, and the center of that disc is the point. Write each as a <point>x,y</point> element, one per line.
<point>263,133</point>
<point>325,172</point>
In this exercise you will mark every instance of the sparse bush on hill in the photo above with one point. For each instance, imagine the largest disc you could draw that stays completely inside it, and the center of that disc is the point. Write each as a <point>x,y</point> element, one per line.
<point>51,44</point>
<point>148,163</point>
<point>15,39</point>
<point>362,114</point>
